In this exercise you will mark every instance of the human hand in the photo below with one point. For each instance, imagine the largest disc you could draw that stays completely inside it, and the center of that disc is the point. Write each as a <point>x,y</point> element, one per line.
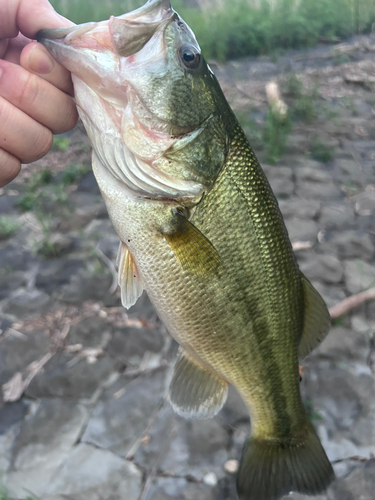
<point>35,90</point>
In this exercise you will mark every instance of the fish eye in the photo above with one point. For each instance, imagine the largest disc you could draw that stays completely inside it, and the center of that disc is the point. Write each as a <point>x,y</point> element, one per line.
<point>190,56</point>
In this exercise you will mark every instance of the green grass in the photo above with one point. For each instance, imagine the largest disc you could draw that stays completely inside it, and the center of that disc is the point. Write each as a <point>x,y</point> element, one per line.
<point>60,143</point>
<point>235,29</point>
<point>8,226</point>
<point>275,135</point>
<point>320,151</point>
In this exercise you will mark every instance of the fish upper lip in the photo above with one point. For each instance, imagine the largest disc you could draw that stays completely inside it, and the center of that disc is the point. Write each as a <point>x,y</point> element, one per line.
<point>59,33</point>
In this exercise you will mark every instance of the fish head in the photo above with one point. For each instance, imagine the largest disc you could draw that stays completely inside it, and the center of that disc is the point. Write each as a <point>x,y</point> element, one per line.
<point>152,107</point>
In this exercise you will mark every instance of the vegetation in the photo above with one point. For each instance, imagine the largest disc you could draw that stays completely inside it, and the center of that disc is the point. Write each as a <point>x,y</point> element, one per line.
<point>235,29</point>
<point>60,143</point>
<point>8,226</point>
<point>320,151</point>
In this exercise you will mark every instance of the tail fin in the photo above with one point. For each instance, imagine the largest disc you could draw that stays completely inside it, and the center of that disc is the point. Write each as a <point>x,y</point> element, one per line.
<point>271,469</point>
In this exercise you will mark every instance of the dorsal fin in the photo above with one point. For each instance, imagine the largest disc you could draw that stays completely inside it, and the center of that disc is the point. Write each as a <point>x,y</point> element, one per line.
<point>317,319</point>
<point>194,391</point>
<point>128,277</point>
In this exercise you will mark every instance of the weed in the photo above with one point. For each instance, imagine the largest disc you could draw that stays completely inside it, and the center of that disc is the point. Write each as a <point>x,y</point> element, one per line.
<point>235,29</point>
<point>60,143</point>
<point>311,413</point>
<point>292,86</point>
<point>275,135</point>
<point>73,173</point>
<point>304,108</point>
<point>8,226</point>
<point>320,151</point>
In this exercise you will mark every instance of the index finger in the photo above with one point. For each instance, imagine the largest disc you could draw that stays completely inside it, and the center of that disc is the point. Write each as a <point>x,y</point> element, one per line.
<point>28,17</point>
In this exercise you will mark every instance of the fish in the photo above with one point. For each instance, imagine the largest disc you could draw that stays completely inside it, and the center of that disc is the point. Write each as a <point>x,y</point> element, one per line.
<point>201,231</point>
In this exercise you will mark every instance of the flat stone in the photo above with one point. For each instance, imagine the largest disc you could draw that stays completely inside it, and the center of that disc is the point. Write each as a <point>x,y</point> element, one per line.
<point>168,488</point>
<point>301,230</point>
<point>303,209</point>
<point>348,170</point>
<point>331,294</point>
<point>124,411</point>
<point>297,144</point>
<point>131,344</point>
<point>90,332</point>
<point>364,203</point>
<point>350,244</point>
<point>55,273</point>
<point>62,379</point>
<point>17,353</point>
<point>93,474</point>
<point>185,447</point>
<point>9,282</point>
<point>359,275</point>
<point>343,344</point>
<point>12,257</point>
<point>88,184</point>
<point>313,182</point>
<point>27,303</point>
<point>342,408</point>
<point>8,204</point>
<point>281,180</point>
<point>336,215</point>
<point>324,268</point>
<point>42,445</point>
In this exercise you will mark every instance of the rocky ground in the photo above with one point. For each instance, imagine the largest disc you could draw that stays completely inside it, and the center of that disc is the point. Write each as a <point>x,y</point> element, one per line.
<point>83,414</point>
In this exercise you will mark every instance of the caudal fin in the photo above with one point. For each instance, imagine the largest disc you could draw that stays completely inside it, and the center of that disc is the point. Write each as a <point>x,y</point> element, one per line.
<point>270,469</point>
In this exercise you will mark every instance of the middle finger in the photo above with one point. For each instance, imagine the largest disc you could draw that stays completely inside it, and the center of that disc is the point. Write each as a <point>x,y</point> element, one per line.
<point>37,98</point>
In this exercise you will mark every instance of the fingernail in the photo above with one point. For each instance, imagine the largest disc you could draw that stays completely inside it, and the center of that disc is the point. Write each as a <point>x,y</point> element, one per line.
<point>40,62</point>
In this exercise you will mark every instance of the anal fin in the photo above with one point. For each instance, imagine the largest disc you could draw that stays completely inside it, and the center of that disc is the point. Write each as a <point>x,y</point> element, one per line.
<point>128,277</point>
<point>194,391</point>
<point>317,319</point>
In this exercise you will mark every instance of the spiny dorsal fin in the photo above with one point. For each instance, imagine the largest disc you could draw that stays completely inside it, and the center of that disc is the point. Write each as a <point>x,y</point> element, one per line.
<point>128,277</point>
<point>195,392</point>
<point>317,319</point>
<point>193,250</point>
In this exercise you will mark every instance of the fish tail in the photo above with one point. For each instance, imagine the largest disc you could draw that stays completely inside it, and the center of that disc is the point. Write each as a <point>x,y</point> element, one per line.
<point>270,469</point>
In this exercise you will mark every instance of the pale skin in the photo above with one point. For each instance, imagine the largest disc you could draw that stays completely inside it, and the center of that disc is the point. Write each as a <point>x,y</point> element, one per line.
<point>35,90</point>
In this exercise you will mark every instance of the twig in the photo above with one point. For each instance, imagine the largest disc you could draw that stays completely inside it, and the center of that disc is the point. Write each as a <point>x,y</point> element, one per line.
<point>111,268</point>
<point>351,302</point>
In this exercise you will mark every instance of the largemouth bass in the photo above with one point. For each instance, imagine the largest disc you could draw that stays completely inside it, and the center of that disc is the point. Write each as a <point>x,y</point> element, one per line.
<point>202,233</point>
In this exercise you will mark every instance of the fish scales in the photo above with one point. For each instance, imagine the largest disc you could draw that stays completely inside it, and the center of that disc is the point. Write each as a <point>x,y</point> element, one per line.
<point>202,233</point>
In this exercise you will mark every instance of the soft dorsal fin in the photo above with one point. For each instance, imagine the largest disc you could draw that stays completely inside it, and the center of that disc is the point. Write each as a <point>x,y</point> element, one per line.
<point>194,391</point>
<point>128,277</point>
<point>317,319</point>
<point>192,248</point>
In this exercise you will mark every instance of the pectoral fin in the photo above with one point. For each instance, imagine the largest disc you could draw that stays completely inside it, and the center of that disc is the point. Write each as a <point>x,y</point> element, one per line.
<point>128,277</point>
<point>193,250</point>
<point>194,391</point>
<point>317,320</point>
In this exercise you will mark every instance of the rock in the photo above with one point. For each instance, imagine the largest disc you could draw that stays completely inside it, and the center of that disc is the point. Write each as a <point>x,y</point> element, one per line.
<point>14,258</point>
<point>9,282</point>
<point>336,215</point>
<point>90,332</point>
<point>301,230</point>
<point>364,203</point>
<point>168,488</point>
<point>359,275</point>
<point>234,409</point>
<point>343,344</point>
<point>358,484</point>
<point>303,209</point>
<point>93,474</point>
<point>8,204</point>
<point>42,446</point>
<point>280,179</point>
<point>342,405</point>
<point>11,414</point>
<point>62,243</point>
<point>349,171</point>
<point>62,379</point>
<point>185,447</point>
<point>324,268</point>
<point>28,303</point>
<point>297,144</point>
<point>131,344</point>
<point>88,184</point>
<point>313,182</point>
<point>54,274</point>
<point>350,244</point>
<point>331,294</point>
<point>124,411</point>
<point>16,353</point>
